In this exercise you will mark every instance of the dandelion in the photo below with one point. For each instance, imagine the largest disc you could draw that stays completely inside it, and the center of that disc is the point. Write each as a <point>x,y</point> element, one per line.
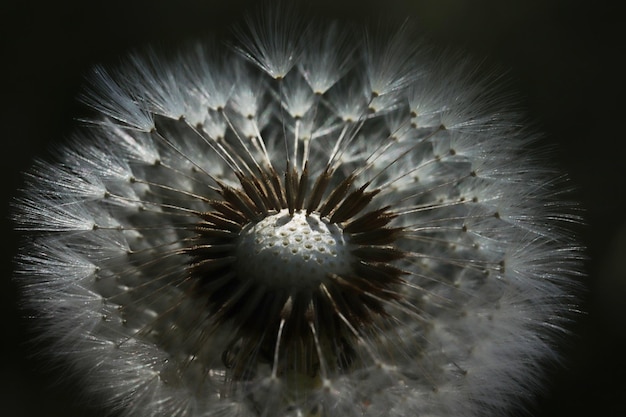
<point>311,223</point>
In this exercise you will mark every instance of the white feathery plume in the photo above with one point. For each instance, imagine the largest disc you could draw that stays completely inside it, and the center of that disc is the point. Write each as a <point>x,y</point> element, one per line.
<point>317,222</point>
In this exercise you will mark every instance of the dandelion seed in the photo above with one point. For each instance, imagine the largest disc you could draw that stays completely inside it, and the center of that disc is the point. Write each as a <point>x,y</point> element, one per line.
<point>316,223</point>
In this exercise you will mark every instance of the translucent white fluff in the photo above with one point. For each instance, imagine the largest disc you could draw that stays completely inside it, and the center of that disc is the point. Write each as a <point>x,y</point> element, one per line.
<point>476,272</point>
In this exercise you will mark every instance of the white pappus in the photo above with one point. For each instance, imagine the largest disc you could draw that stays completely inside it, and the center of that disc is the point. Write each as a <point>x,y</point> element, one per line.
<point>314,222</point>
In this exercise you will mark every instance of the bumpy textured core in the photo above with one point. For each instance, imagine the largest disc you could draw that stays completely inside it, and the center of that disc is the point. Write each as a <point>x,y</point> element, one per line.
<point>298,251</point>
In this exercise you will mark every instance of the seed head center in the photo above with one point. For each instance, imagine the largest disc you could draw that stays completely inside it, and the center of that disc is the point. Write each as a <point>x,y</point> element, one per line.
<point>296,251</point>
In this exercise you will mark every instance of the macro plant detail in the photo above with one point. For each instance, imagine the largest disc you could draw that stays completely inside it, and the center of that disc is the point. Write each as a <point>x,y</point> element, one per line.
<point>312,222</point>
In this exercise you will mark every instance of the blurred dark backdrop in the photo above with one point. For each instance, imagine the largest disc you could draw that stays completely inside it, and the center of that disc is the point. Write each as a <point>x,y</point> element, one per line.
<point>564,58</point>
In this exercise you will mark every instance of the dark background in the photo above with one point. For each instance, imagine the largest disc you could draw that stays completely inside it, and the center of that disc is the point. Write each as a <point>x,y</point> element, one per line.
<point>564,58</point>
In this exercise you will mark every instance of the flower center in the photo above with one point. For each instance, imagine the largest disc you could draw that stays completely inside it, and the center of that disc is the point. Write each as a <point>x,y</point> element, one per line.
<point>294,270</point>
<point>292,251</point>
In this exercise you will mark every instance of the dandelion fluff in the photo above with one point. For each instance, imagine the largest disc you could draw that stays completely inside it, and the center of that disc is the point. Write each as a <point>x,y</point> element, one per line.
<point>313,223</point>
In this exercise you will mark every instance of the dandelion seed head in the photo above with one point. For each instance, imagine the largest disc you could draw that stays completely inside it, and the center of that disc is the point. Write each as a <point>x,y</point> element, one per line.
<point>315,222</point>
